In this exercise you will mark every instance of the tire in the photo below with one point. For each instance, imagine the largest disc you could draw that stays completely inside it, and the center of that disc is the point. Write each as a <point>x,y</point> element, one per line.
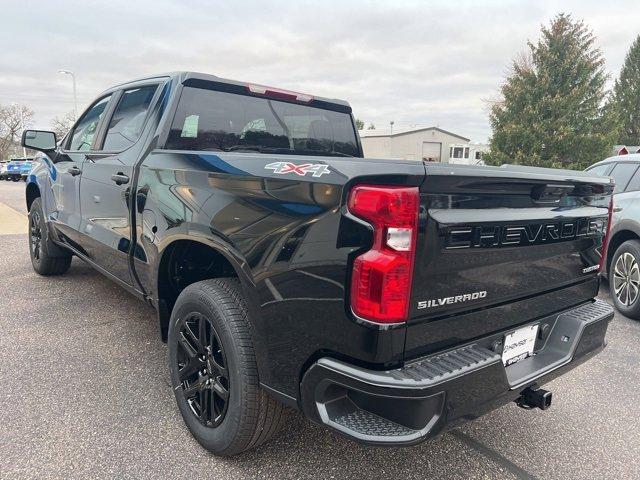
<point>250,416</point>
<point>624,279</point>
<point>47,258</point>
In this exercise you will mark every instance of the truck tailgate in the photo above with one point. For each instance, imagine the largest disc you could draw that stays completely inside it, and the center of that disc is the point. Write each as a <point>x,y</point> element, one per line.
<point>497,244</point>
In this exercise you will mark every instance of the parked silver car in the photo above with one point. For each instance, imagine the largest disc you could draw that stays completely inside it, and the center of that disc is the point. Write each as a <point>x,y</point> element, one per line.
<point>622,266</point>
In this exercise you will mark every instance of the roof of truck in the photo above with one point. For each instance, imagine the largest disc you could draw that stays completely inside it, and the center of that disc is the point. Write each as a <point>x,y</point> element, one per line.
<point>183,76</point>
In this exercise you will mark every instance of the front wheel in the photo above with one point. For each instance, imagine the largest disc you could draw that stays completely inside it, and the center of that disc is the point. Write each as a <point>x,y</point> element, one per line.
<point>214,373</point>
<point>624,279</point>
<point>46,257</point>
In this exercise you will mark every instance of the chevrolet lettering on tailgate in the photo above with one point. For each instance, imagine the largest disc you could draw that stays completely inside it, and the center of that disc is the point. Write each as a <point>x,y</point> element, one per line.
<point>519,235</point>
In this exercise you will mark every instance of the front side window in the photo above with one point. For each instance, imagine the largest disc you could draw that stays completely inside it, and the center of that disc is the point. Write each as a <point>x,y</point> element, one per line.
<point>213,120</point>
<point>85,129</point>
<point>599,170</point>
<point>128,118</point>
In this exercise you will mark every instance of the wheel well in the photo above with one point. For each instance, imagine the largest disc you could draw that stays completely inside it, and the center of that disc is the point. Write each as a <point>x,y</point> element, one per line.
<point>618,239</point>
<point>32,192</point>
<point>185,262</point>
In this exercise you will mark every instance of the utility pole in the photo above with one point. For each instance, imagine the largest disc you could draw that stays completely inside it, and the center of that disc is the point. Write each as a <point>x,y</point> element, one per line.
<point>75,96</point>
<point>24,150</point>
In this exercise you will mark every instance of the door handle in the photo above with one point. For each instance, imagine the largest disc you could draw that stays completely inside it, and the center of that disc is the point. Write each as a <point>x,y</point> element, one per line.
<point>617,209</point>
<point>74,171</point>
<point>120,178</point>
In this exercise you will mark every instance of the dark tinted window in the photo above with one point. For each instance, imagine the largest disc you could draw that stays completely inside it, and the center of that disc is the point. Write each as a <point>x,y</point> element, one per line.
<point>85,129</point>
<point>126,123</point>
<point>622,173</point>
<point>600,169</point>
<point>212,120</point>
<point>634,184</point>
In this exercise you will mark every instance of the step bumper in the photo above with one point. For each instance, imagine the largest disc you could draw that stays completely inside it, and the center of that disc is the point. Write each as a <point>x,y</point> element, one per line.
<point>407,405</point>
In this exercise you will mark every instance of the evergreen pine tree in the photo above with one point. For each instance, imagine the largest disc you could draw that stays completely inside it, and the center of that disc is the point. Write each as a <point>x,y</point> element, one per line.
<point>552,109</point>
<point>625,103</point>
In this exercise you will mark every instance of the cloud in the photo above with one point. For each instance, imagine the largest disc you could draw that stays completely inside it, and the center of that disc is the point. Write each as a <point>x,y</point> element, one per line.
<point>417,63</point>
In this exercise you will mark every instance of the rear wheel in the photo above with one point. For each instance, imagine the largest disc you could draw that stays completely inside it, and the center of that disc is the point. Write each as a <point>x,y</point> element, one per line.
<point>624,279</point>
<point>214,373</point>
<point>47,258</point>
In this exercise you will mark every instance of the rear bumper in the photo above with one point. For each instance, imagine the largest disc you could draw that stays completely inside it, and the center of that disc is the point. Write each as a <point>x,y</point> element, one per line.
<point>425,397</point>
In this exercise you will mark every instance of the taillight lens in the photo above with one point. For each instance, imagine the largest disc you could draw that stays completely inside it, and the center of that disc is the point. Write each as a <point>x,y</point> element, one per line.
<point>607,236</point>
<point>381,280</point>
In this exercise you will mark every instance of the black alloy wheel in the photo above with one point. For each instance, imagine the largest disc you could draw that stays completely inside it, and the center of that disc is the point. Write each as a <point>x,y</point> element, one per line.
<point>35,235</point>
<point>214,374</point>
<point>202,369</point>
<point>47,258</point>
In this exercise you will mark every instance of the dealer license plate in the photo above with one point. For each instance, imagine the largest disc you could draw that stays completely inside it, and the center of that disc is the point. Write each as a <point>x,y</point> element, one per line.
<point>519,345</point>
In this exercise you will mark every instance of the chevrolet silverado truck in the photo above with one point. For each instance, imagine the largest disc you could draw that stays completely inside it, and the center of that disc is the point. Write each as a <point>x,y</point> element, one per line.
<point>388,300</point>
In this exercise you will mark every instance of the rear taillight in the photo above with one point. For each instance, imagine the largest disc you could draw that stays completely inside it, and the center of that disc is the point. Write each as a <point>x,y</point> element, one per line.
<point>381,280</point>
<point>605,240</point>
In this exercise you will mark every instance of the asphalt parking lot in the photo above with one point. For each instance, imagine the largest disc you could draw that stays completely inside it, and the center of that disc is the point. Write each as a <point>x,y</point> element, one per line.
<point>85,393</point>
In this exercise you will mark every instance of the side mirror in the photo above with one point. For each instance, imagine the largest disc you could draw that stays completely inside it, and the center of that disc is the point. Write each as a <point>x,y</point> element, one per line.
<point>39,140</point>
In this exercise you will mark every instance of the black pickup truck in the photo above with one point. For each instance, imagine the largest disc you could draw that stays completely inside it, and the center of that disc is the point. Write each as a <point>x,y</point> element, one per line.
<point>386,299</point>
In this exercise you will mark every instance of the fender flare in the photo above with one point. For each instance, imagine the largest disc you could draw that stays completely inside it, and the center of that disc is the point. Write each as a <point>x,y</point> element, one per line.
<point>224,247</point>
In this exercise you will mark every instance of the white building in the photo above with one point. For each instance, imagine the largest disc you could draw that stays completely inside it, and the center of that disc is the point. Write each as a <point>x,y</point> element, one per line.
<point>431,144</point>
<point>468,153</point>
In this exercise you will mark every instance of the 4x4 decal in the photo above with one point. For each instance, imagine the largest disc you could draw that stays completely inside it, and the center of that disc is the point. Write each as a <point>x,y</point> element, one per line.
<point>281,168</point>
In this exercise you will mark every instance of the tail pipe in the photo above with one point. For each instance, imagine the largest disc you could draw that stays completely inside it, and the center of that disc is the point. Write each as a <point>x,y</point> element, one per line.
<point>534,397</point>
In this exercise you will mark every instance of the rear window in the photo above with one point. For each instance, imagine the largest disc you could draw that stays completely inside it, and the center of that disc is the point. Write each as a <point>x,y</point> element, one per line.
<point>213,120</point>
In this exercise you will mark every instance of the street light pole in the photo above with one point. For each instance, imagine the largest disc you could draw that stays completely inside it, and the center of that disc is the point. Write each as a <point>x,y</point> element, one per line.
<point>24,150</point>
<point>75,96</point>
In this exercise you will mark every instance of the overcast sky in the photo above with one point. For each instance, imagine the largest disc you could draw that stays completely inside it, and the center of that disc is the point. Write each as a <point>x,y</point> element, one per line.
<point>417,63</point>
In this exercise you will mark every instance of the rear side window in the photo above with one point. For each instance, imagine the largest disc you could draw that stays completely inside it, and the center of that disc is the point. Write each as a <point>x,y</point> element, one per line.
<point>213,120</point>
<point>634,184</point>
<point>622,173</point>
<point>127,121</point>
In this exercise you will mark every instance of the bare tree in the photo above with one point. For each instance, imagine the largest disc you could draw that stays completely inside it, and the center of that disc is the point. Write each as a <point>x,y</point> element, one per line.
<point>61,125</point>
<point>13,119</point>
